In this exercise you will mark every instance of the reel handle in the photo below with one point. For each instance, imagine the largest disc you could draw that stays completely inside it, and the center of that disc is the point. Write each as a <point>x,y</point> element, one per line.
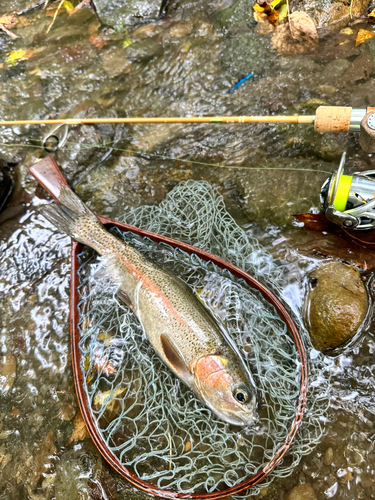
<point>49,176</point>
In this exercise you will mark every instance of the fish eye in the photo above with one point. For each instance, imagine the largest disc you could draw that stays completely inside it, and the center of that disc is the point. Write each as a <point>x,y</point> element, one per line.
<point>241,394</point>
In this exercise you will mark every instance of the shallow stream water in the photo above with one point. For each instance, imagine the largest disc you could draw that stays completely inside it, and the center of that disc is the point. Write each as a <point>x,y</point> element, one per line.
<point>182,64</point>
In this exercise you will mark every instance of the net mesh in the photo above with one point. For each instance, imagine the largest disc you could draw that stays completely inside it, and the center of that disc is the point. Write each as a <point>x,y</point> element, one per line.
<point>151,421</point>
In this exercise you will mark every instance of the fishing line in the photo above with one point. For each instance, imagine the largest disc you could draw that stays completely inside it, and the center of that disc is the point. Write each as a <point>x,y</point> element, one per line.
<point>171,158</point>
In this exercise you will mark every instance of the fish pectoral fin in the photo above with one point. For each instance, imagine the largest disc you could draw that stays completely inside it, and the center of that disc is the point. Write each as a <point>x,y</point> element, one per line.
<point>174,357</point>
<point>124,297</point>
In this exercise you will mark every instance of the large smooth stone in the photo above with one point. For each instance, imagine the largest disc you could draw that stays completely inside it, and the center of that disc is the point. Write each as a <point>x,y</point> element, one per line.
<point>336,305</point>
<point>119,13</point>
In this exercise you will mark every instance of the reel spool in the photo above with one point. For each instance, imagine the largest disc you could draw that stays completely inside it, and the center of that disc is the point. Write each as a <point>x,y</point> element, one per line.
<point>349,200</point>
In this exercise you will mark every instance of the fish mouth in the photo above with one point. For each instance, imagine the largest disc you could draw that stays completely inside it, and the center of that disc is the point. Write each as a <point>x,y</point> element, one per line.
<point>236,416</point>
<point>239,419</point>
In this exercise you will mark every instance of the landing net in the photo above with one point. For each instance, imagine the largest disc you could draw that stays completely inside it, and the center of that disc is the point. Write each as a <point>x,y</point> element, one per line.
<point>148,418</point>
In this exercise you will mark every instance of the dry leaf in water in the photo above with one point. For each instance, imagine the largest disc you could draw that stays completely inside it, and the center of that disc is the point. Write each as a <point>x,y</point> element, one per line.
<point>108,397</point>
<point>18,55</point>
<point>316,222</point>
<point>80,431</point>
<point>65,6</point>
<point>8,21</point>
<point>270,12</point>
<point>97,41</point>
<point>296,36</point>
<point>362,36</point>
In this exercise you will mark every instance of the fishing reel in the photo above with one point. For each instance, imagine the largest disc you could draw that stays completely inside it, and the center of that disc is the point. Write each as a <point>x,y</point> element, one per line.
<point>349,200</point>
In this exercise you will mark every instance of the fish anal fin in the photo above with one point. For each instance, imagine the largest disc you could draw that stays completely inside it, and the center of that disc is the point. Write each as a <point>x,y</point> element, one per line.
<point>174,357</point>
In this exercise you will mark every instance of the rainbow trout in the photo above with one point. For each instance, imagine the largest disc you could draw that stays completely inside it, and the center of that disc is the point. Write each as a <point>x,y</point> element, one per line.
<point>181,330</point>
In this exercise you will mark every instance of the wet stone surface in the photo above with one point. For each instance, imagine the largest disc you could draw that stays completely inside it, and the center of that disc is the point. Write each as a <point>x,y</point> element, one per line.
<point>335,306</point>
<point>182,63</point>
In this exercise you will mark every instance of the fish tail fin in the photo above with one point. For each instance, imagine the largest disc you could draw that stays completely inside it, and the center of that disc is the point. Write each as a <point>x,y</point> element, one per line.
<point>73,217</point>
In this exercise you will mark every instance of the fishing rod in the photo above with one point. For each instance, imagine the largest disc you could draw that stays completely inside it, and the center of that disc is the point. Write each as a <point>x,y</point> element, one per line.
<point>327,119</point>
<point>348,201</point>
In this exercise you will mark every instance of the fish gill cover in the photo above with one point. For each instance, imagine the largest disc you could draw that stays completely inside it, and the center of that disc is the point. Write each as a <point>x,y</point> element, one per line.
<point>148,418</point>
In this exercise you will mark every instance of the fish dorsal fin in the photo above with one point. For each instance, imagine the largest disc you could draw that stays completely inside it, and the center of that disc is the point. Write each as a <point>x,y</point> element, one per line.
<point>174,357</point>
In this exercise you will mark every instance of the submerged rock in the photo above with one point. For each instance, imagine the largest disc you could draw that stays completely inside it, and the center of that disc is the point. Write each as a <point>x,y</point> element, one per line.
<point>83,152</point>
<point>5,187</point>
<point>43,461</point>
<point>76,473</point>
<point>117,13</point>
<point>8,366</point>
<point>301,492</point>
<point>291,194</point>
<point>143,51</point>
<point>335,306</point>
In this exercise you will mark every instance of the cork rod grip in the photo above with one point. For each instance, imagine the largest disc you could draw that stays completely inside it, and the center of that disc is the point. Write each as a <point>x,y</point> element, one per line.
<point>332,119</point>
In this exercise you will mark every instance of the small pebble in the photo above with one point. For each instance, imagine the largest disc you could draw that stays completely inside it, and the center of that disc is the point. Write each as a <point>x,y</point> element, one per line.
<point>187,446</point>
<point>328,456</point>
<point>301,492</point>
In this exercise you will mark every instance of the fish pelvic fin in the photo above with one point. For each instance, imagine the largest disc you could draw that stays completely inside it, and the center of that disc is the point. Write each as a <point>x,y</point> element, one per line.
<point>73,217</point>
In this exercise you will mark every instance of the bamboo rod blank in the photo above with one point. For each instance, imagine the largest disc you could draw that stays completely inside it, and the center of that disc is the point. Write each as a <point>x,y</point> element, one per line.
<point>193,119</point>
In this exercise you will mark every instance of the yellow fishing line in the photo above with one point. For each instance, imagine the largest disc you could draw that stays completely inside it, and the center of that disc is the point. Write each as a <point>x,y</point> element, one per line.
<point>342,193</point>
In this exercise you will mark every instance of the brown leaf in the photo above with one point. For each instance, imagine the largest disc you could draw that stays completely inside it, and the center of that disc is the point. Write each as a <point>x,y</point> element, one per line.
<point>352,247</point>
<point>9,20</point>
<point>97,41</point>
<point>79,6</point>
<point>316,222</point>
<point>80,431</point>
<point>297,36</point>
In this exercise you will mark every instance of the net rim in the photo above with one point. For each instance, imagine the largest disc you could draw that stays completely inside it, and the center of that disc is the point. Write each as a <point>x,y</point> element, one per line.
<point>88,418</point>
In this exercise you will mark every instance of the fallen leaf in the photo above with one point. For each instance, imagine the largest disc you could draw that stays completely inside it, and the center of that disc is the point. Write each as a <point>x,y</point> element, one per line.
<point>334,242</point>
<point>126,43</point>
<point>372,14</point>
<point>346,31</point>
<point>8,21</point>
<point>362,36</point>
<point>79,6</point>
<point>296,36</point>
<point>270,12</point>
<point>315,222</point>
<point>108,398</point>
<point>97,41</point>
<point>65,7</point>
<point>18,55</point>
<point>283,12</point>
<point>80,431</point>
